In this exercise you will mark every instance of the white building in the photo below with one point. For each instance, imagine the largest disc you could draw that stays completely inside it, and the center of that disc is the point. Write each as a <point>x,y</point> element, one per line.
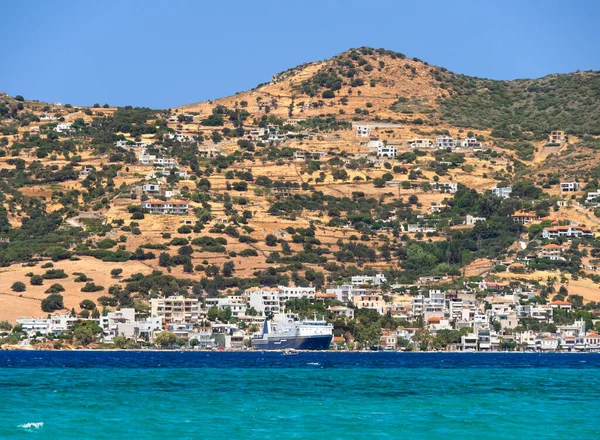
<point>470,143</point>
<point>445,142</point>
<point>503,193</point>
<point>421,143</point>
<point>373,301</point>
<point>421,228</point>
<point>363,131</point>
<point>178,207</point>
<point>209,151</point>
<point>346,292</point>
<point>175,309</point>
<point>551,251</point>
<point>387,151</point>
<point>165,162</point>
<point>179,137</point>
<point>374,143</point>
<point>151,188</point>
<point>341,311</point>
<point>123,323</point>
<point>566,231</point>
<point>375,280</point>
<point>236,304</point>
<point>593,197</point>
<point>471,220</point>
<point>569,186</point>
<point>63,127</point>
<point>447,187</point>
<point>56,324</point>
<point>146,159</point>
<point>265,301</point>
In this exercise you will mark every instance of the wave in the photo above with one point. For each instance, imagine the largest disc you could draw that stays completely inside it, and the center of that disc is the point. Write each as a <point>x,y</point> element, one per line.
<point>32,425</point>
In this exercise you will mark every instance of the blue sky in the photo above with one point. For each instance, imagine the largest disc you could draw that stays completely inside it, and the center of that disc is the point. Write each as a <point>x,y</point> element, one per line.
<point>166,53</point>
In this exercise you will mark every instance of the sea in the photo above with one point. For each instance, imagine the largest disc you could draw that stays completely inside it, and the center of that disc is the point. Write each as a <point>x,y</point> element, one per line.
<point>312,395</point>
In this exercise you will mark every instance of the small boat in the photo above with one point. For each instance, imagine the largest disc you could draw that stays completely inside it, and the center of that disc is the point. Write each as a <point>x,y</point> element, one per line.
<point>289,352</point>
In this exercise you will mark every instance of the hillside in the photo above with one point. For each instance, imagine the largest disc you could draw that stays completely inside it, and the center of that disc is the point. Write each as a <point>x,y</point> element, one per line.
<point>277,187</point>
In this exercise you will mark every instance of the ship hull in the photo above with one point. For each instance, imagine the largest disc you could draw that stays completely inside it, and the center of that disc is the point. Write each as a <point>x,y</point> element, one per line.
<point>319,342</point>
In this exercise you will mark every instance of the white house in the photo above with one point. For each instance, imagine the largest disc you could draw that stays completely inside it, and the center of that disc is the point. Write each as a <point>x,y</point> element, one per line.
<point>502,192</point>
<point>593,197</point>
<point>209,151</point>
<point>445,142</point>
<point>236,304</point>
<point>375,280</point>
<point>421,143</point>
<point>341,311</point>
<point>165,162</point>
<point>373,301</point>
<point>179,137</point>
<point>471,220</point>
<point>151,188</point>
<point>374,142</point>
<point>470,143</point>
<point>448,187</point>
<point>63,127</point>
<point>363,131</point>
<point>549,344</point>
<point>569,186</point>
<point>346,292</point>
<point>387,151</point>
<point>551,251</point>
<point>566,231</point>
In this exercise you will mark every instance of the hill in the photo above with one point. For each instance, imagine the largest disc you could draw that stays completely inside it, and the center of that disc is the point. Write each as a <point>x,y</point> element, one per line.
<point>306,180</point>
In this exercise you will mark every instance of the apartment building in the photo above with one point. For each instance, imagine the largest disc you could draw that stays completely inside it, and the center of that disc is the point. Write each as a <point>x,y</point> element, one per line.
<point>178,207</point>
<point>175,309</point>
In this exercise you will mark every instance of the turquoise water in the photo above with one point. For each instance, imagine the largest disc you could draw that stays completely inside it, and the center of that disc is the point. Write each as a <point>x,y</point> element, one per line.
<point>90,395</point>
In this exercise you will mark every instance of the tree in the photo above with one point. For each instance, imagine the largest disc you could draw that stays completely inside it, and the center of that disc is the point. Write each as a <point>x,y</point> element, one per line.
<point>55,288</point>
<point>18,286</point>
<point>227,314</point>
<point>36,280</point>
<point>164,259</point>
<point>228,268</point>
<point>120,341</point>
<point>576,301</point>
<point>165,339</point>
<point>53,302</point>
<point>423,338</point>
<point>271,240</point>
<point>87,304</point>
<point>212,314</point>
<point>116,273</point>
<point>85,332</point>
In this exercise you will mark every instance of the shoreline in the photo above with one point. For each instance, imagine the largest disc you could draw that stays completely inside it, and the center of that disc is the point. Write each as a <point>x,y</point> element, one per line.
<point>158,350</point>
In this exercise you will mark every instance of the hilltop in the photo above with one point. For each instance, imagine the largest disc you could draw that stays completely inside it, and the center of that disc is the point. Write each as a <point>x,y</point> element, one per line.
<point>382,85</point>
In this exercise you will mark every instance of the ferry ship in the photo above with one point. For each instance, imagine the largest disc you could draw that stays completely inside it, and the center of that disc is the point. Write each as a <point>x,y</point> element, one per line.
<point>284,332</point>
